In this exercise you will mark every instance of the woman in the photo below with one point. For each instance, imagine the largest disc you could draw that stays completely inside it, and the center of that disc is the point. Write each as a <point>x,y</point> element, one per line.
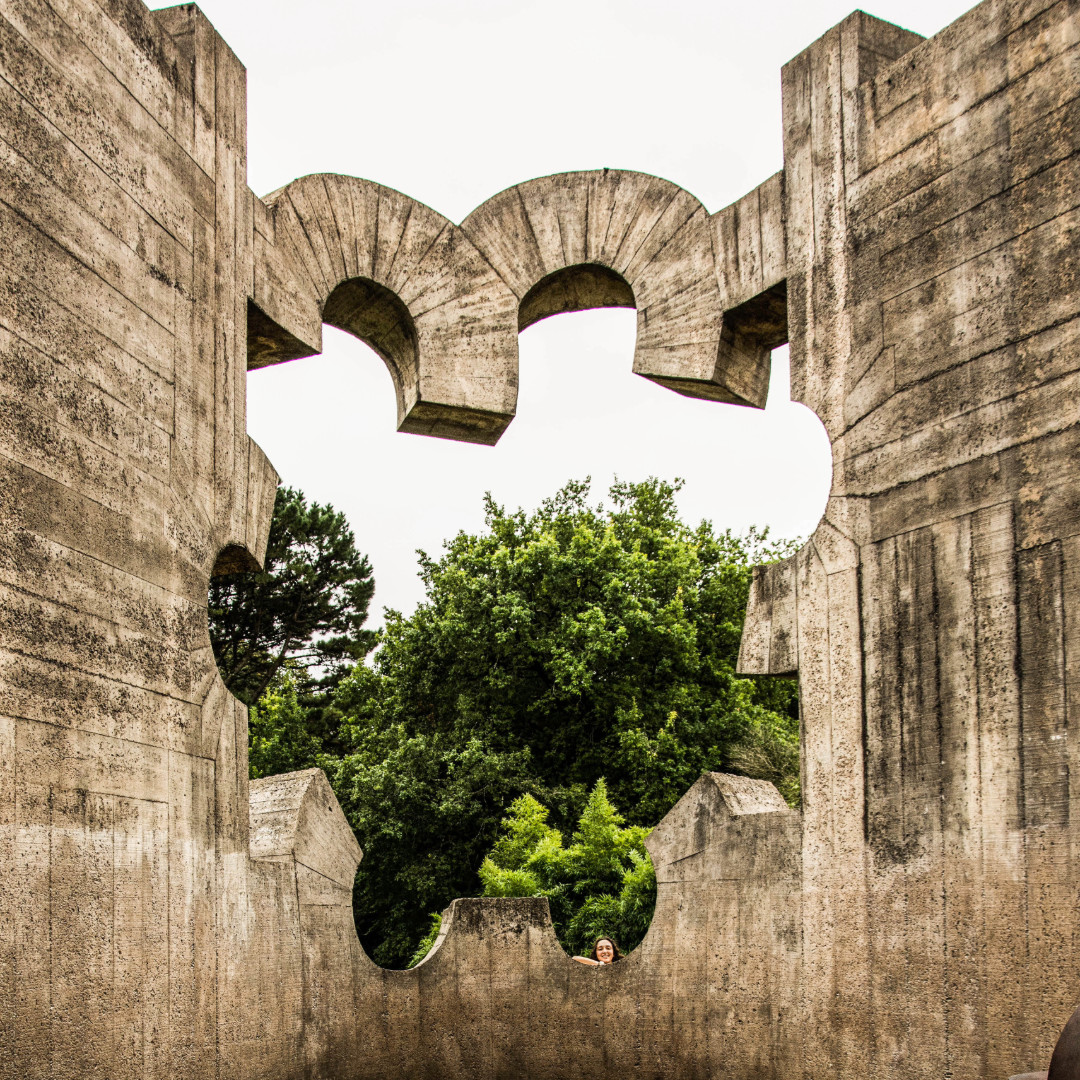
<point>605,951</point>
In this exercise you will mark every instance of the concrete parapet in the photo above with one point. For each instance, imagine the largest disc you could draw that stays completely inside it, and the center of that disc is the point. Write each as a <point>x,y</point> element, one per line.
<point>497,994</point>
<point>297,814</point>
<point>443,304</point>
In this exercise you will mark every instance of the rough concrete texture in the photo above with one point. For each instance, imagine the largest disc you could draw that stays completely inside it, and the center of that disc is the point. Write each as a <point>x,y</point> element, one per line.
<point>159,918</point>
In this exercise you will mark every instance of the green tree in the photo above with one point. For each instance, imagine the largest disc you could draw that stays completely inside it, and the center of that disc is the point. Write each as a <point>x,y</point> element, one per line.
<point>306,607</point>
<point>425,807</point>
<point>280,739</point>
<point>552,649</point>
<point>603,883</point>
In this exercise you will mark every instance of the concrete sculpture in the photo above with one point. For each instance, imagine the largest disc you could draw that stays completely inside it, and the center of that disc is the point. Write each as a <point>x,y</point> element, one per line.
<point>444,304</point>
<point>160,917</point>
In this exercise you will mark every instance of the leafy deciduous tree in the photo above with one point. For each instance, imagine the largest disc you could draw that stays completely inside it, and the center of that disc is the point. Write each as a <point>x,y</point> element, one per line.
<point>280,738</point>
<point>554,648</point>
<point>603,883</point>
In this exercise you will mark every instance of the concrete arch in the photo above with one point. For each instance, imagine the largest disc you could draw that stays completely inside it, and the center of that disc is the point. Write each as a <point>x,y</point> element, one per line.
<point>402,277</point>
<point>443,303</point>
<point>650,232</point>
<point>377,316</point>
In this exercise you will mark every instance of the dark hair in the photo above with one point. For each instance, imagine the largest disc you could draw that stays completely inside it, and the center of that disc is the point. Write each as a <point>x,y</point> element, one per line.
<point>614,946</point>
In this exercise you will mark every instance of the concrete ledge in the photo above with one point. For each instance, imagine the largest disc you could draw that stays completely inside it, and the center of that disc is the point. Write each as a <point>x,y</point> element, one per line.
<point>298,814</point>
<point>695,826</point>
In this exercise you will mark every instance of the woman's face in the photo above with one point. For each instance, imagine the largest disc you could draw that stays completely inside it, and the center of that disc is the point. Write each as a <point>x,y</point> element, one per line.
<point>605,951</point>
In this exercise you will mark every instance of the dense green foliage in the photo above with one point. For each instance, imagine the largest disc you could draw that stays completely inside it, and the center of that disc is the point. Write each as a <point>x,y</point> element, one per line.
<point>307,605</point>
<point>553,649</point>
<point>603,883</point>
<point>425,806</point>
<point>564,663</point>
<point>280,735</point>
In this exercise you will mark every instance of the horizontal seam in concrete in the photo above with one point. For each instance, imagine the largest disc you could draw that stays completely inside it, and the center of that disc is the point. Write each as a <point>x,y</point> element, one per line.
<point>1060,210</point>
<point>1010,344</point>
<point>127,740</point>
<point>929,134</point>
<point>900,485</point>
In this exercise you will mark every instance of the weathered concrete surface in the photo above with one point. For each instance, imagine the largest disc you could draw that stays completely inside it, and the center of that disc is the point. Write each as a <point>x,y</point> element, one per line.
<point>498,996</point>
<point>918,919</point>
<point>443,304</point>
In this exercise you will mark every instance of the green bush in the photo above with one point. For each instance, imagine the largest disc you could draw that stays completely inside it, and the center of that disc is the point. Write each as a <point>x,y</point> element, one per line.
<point>602,884</point>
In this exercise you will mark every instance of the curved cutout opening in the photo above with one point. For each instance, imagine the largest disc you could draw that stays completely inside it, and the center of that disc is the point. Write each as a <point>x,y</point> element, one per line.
<point>598,882</point>
<point>232,570</point>
<point>574,288</point>
<point>377,316</point>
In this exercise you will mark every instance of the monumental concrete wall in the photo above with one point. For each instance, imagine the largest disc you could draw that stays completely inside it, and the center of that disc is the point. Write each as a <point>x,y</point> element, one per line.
<point>160,917</point>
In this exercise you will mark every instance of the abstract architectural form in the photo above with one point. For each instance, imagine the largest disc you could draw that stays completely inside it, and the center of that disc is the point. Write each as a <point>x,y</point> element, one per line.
<point>444,304</point>
<point>159,916</point>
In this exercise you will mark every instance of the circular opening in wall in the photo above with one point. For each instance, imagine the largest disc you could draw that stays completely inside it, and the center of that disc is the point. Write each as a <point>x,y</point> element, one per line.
<point>284,635</point>
<point>234,568</point>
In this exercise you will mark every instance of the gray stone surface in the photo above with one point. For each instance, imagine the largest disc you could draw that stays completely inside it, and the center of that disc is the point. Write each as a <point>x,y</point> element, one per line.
<point>160,917</point>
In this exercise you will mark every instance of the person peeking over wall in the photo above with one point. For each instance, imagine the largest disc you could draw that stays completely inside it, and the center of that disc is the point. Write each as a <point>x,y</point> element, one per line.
<point>605,951</point>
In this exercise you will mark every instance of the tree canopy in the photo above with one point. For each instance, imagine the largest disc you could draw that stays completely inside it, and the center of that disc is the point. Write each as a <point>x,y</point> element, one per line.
<point>553,649</point>
<point>307,606</point>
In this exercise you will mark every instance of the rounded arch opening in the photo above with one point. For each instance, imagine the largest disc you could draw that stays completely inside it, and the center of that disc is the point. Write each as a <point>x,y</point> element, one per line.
<point>378,317</point>
<point>574,288</point>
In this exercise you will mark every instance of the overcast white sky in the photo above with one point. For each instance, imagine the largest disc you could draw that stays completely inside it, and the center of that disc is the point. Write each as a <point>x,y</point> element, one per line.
<point>450,103</point>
